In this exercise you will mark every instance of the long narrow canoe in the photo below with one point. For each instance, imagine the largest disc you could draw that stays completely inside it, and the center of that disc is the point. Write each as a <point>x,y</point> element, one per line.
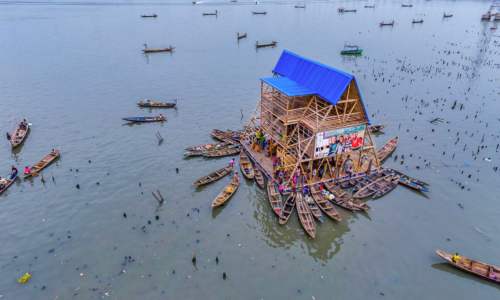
<point>313,208</point>
<point>226,136</point>
<point>288,208</point>
<point>475,267</point>
<point>246,166</point>
<point>363,181</point>
<point>379,187</point>
<point>159,118</point>
<point>387,149</point>
<point>344,199</point>
<point>148,103</point>
<point>259,178</point>
<point>201,149</point>
<point>206,147</point>
<point>42,164</point>
<point>410,182</point>
<point>305,216</point>
<point>214,176</point>
<point>227,193</point>
<point>324,204</point>
<point>274,198</point>
<point>229,151</point>
<point>390,184</point>
<point>6,183</point>
<point>19,134</point>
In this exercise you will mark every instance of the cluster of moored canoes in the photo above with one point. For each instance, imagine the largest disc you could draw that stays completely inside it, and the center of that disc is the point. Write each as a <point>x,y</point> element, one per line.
<point>313,202</point>
<point>148,103</point>
<point>17,138</point>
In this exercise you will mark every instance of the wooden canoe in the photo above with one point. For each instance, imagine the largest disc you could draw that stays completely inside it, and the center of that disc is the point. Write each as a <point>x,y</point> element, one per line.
<point>410,182</point>
<point>148,103</point>
<point>390,184</point>
<point>274,198</point>
<point>376,128</point>
<point>387,149</point>
<point>227,192</point>
<point>365,180</point>
<point>201,149</point>
<point>214,176</point>
<point>344,199</point>
<point>229,151</point>
<point>246,166</point>
<point>156,50</point>
<point>288,207</point>
<point>259,178</point>
<point>42,164</point>
<point>305,216</point>
<point>228,136</point>
<point>475,267</point>
<point>313,208</point>
<point>324,204</point>
<point>206,147</point>
<point>379,187</point>
<point>159,118</point>
<point>19,134</point>
<point>6,183</point>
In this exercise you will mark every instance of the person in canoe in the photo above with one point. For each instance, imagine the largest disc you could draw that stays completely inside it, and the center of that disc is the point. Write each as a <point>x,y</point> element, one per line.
<point>456,258</point>
<point>13,172</point>
<point>27,170</point>
<point>8,136</point>
<point>162,117</point>
<point>231,163</point>
<point>235,176</point>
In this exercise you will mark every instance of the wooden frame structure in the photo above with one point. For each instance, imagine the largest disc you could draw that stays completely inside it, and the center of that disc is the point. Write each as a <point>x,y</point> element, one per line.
<point>294,124</point>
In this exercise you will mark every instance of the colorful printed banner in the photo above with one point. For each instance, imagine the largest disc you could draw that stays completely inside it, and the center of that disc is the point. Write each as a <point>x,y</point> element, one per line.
<point>333,142</point>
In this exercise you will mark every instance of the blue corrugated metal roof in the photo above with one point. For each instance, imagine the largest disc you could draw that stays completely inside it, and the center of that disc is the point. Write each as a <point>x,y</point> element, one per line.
<point>288,86</point>
<point>313,77</point>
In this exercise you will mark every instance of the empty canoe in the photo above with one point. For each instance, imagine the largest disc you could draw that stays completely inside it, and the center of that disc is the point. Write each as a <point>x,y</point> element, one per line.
<point>305,216</point>
<point>227,192</point>
<point>214,176</point>
<point>288,207</point>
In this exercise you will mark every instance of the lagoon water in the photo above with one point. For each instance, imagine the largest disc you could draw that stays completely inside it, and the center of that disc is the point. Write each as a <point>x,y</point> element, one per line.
<point>74,69</point>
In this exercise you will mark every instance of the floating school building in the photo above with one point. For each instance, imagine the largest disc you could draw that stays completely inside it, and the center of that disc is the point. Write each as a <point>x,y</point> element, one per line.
<point>312,124</point>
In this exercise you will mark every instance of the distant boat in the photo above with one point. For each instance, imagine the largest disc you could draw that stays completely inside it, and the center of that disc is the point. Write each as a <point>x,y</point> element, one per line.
<point>271,44</point>
<point>346,10</point>
<point>387,23</point>
<point>215,13</point>
<point>351,50</point>
<point>497,17</point>
<point>149,16</point>
<point>370,6</point>
<point>486,16</point>
<point>259,12</point>
<point>406,5</point>
<point>445,15</point>
<point>159,118</point>
<point>148,103</point>
<point>417,21</point>
<point>155,50</point>
<point>240,36</point>
<point>300,6</point>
